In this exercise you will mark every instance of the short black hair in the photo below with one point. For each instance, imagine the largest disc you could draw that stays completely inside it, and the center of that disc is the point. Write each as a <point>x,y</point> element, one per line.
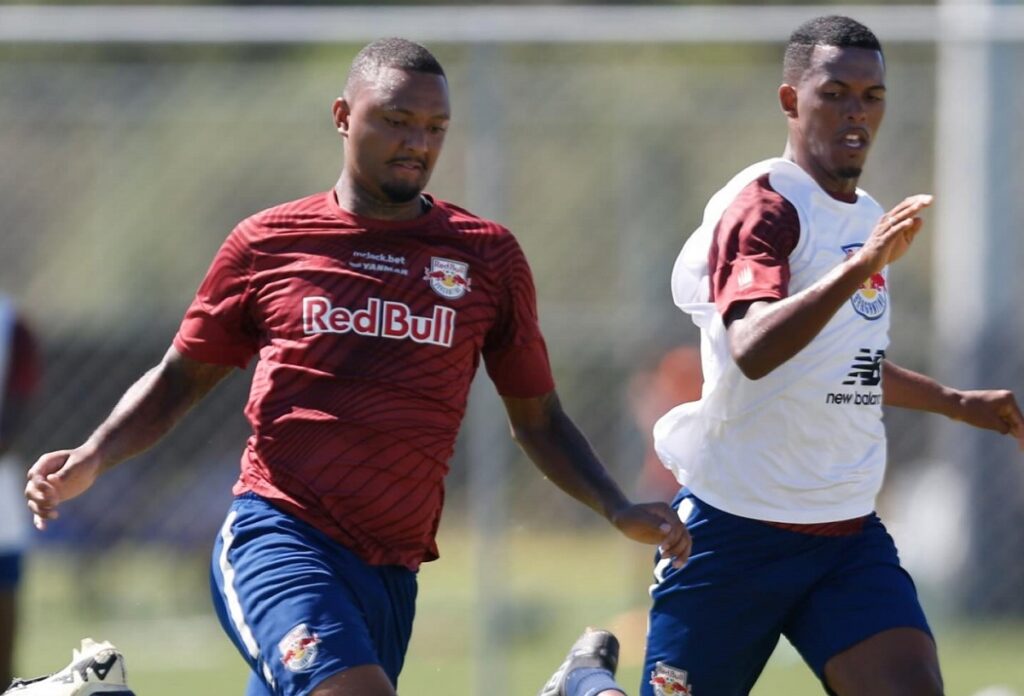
<point>392,52</point>
<point>832,30</point>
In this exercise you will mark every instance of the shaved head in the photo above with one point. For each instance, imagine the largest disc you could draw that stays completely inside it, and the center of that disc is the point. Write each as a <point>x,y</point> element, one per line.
<point>395,53</point>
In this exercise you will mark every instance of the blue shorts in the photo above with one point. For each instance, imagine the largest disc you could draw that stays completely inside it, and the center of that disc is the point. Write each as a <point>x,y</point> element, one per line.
<point>300,607</point>
<point>715,622</point>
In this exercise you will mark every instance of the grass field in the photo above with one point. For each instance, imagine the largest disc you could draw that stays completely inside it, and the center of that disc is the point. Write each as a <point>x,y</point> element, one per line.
<point>155,608</point>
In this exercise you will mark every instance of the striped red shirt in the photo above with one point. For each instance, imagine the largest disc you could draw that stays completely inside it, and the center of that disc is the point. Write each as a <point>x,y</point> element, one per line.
<point>368,334</point>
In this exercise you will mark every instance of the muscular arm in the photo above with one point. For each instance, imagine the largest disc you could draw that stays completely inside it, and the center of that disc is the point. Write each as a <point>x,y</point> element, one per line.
<point>146,412</point>
<point>907,389</point>
<point>153,406</point>
<point>991,409</point>
<point>558,448</point>
<point>554,443</point>
<point>764,335</point>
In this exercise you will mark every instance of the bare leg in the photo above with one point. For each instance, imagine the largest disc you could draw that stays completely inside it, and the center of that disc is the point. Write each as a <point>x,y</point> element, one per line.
<point>897,662</point>
<point>365,680</point>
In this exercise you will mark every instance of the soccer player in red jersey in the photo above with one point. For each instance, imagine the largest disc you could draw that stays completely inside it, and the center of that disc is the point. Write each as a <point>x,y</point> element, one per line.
<point>368,307</point>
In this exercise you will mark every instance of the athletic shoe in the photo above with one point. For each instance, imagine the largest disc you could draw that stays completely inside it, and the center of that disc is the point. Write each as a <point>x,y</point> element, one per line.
<point>98,668</point>
<point>595,649</point>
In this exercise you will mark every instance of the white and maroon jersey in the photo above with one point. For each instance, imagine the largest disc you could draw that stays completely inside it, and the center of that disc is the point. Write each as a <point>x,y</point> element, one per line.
<point>804,444</point>
<point>368,334</point>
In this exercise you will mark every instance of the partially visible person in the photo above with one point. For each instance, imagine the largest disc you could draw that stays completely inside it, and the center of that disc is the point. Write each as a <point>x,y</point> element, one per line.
<point>19,379</point>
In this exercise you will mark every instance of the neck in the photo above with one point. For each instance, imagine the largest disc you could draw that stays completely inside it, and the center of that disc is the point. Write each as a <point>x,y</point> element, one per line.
<point>358,201</point>
<point>841,188</point>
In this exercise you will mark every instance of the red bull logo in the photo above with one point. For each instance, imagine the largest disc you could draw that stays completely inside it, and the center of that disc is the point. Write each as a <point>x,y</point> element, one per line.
<point>871,298</point>
<point>449,279</point>
<point>385,318</point>
<point>872,286</point>
<point>299,648</point>
<point>670,681</point>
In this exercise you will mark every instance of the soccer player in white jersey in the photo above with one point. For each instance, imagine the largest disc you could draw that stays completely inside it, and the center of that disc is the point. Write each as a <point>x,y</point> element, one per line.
<point>783,456</point>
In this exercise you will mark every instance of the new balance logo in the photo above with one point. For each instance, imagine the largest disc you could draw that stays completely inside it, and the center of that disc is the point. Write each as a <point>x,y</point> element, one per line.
<point>866,370</point>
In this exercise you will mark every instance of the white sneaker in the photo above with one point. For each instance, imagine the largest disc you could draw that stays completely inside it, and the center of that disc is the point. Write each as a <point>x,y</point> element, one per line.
<point>98,668</point>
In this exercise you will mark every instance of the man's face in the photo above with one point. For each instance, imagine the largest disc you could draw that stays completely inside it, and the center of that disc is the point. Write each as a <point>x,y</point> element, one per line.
<point>394,126</point>
<point>839,104</point>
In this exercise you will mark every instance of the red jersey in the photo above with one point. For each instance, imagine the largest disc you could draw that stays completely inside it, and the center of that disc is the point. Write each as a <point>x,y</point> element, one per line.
<point>368,333</point>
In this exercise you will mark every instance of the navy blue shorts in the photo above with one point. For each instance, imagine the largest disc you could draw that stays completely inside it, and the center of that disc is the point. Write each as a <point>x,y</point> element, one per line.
<point>300,607</point>
<point>715,622</point>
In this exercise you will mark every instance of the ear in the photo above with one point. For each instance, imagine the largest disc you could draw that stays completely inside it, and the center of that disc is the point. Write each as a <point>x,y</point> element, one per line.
<point>787,100</point>
<point>341,111</point>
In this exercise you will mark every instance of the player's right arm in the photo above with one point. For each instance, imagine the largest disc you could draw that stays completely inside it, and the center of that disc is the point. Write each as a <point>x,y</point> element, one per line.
<point>765,334</point>
<point>148,410</point>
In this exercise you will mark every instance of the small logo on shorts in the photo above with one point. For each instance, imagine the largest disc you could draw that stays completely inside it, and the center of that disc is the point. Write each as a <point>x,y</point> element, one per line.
<point>299,648</point>
<point>670,681</point>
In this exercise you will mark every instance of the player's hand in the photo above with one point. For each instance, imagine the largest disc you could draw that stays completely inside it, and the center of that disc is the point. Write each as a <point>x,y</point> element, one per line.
<point>992,409</point>
<point>894,233</point>
<point>56,477</point>
<point>656,523</point>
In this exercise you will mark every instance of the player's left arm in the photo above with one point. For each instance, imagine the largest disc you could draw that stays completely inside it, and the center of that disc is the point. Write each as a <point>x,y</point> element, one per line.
<point>555,444</point>
<point>992,409</point>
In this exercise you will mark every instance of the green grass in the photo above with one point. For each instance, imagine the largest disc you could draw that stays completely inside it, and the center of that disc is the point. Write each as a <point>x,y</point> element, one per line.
<point>539,589</point>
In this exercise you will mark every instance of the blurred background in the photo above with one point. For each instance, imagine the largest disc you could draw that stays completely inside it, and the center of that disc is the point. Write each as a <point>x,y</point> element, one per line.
<point>134,138</point>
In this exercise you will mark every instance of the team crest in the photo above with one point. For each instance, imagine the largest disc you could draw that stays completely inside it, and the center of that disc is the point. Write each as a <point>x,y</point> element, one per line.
<point>299,648</point>
<point>449,279</point>
<point>871,298</point>
<point>670,681</point>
